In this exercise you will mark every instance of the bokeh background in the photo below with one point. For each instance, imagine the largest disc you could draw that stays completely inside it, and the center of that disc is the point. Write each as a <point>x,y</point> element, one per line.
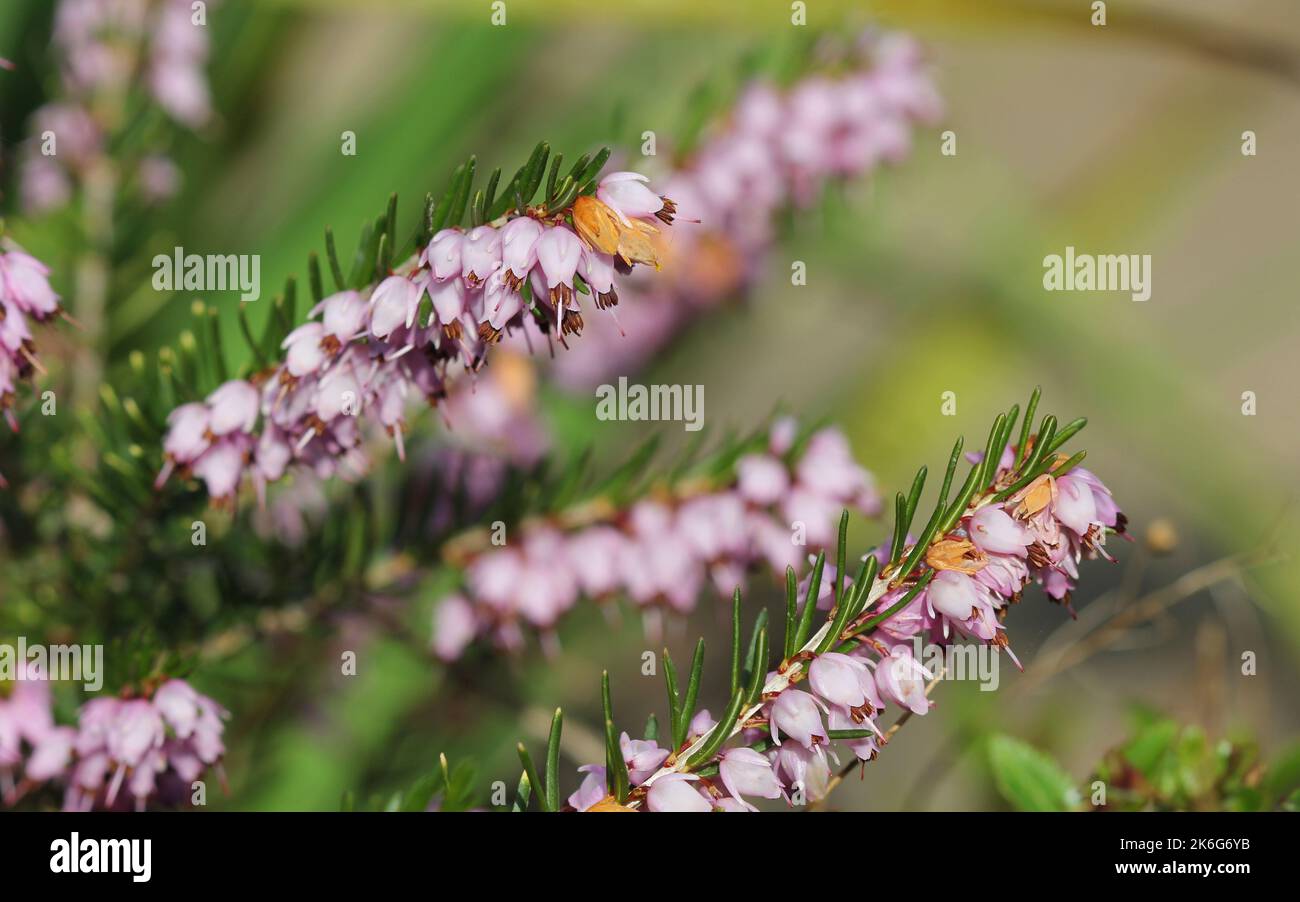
<point>1118,139</point>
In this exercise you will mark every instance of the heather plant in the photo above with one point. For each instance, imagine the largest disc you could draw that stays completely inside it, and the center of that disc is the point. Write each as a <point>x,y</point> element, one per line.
<point>240,499</point>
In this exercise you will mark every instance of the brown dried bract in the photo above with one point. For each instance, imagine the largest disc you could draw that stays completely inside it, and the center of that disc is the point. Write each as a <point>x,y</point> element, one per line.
<point>955,554</point>
<point>1035,496</point>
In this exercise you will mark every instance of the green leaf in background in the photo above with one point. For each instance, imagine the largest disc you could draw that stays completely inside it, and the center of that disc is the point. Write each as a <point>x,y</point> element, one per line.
<point>1151,747</point>
<point>1029,779</point>
<point>1195,763</point>
<point>1282,780</point>
<point>417,798</point>
<point>462,787</point>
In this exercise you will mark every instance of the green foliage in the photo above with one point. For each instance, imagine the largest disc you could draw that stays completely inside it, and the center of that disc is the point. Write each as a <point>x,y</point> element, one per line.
<point>1029,779</point>
<point>1163,766</point>
<point>445,788</point>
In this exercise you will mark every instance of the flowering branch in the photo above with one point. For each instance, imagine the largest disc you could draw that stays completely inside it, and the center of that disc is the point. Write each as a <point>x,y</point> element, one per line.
<point>661,547</point>
<point>1025,513</point>
<point>396,330</point>
<point>777,148</point>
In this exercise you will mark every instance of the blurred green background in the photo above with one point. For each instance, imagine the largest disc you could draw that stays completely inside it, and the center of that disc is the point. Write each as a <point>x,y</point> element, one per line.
<point>926,279</point>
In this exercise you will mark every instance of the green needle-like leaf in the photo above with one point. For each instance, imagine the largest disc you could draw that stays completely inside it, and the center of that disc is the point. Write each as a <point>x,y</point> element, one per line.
<point>490,191</point>
<point>735,641</point>
<point>987,466</point>
<point>674,698</point>
<point>1030,410</point>
<point>522,793</point>
<point>553,762</point>
<point>752,656</point>
<point>810,602</point>
<point>381,258</point>
<point>914,497</point>
<point>841,558</point>
<point>247,330</point>
<point>851,606</point>
<point>900,526</point>
<point>536,172</point>
<point>552,176</point>
<point>586,178</point>
<point>615,767</point>
<point>331,254</point>
<point>719,733</point>
<point>290,303</point>
<point>1007,428</point>
<point>1046,435</point>
<point>684,716</point>
<point>425,230</point>
<point>1067,433</point>
<point>477,209</point>
<point>314,278</point>
<point>564,195</point>
<point>531,772</point>
<point>620,781</point>
<point>461,199</point>
<point>442,211</point>
<point>390,229</point>
<point>958,506</point>
<point>758,674</point>
<point>953,460</point>
<point>791,611</point>
<point>576,169</point>
<point>849,734</point>
<point>218,352</point>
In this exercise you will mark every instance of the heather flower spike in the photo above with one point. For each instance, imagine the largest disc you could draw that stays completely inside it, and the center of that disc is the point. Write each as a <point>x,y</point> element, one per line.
<point>522,265</point>
<point>124,752</point>
<point>661,553</point>
<point>1008,523</point>
<point>26,300</point>
<point>773,152</point>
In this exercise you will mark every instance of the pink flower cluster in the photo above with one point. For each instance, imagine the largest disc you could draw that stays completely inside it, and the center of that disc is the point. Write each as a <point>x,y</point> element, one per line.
<point>776,149</point>
<point>1039,533</point>
<point>661,552</point>
<point>102,46</point>
<point>25,298</point>
<point>123,753</point>
<point>32,748</point>
<point>366,353</point>
<point>493,427</point>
